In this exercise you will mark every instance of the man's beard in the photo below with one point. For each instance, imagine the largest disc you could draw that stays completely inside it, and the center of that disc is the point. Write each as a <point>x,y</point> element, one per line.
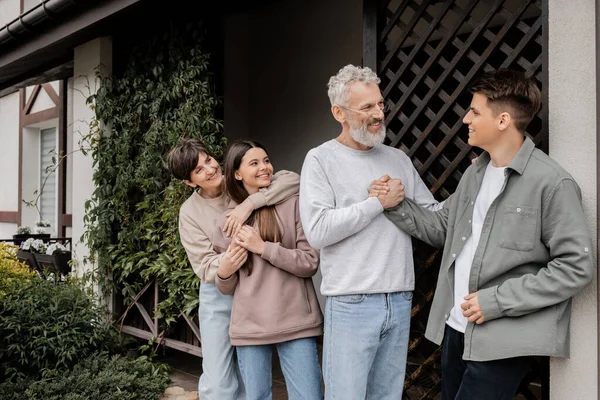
<point>362,135</point>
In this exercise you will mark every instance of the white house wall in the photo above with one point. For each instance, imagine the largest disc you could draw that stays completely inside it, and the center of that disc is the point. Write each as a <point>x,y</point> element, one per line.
<point>572,123</point>
<point>87,58</point>
<point>69,159</point>
<point>42,101</point>
<point>9,10</point>
<point>9,159</point>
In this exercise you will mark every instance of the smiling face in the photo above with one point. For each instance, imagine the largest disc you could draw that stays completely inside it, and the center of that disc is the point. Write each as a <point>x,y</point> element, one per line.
<point>365,114</point>
<point>255,170</point>
<point>485,126</point>
<point>207,175</point>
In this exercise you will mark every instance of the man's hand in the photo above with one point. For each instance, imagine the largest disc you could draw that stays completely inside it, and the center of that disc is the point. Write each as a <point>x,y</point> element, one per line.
<point>395,194</point>
<point>250,239</point>
<point>237,217</point>
<point>232,260</point>
<point>379,186</point>
<point>471,309</point>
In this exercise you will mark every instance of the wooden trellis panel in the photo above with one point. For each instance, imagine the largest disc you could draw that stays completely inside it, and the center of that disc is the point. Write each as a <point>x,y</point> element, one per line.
<point>137,319</point>
<point>426,53</point>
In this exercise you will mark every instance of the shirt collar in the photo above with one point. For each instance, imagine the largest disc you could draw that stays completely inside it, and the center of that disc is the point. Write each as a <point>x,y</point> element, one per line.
<point>518,163</point>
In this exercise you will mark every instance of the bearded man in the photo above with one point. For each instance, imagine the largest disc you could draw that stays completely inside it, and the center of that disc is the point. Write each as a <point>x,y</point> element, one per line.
<point>366,261</point>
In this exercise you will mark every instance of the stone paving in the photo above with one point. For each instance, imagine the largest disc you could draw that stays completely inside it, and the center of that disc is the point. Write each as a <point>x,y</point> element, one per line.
<point>179,393</point>
<point>186,370</point>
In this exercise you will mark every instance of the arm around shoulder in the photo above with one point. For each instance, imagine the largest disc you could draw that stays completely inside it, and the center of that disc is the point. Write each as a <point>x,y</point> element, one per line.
<point>284,185</point>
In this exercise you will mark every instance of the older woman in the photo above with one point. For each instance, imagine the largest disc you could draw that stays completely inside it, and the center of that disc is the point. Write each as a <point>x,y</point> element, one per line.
<point>191,162</point>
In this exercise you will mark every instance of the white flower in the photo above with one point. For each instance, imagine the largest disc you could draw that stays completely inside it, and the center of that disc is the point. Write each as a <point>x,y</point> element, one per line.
<point>39,231</point>
<point>27,244</point>
<point>54,247</point>
<point>38,246</point>
<point>42,223</point>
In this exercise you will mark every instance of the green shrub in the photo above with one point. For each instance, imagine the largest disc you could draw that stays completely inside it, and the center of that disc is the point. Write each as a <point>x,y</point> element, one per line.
<point>46,327</point>
<point>11,269</point>
<point>99,377</point>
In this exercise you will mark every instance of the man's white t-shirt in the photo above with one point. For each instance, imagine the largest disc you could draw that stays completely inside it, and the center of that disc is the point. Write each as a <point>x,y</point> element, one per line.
<point>490,188</point>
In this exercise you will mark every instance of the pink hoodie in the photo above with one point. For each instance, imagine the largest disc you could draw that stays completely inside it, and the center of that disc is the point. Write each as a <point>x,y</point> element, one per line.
<point>277,302</point>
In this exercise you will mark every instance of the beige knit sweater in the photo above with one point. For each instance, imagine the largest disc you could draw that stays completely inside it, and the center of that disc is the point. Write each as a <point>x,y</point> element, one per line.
<point>198,217</point>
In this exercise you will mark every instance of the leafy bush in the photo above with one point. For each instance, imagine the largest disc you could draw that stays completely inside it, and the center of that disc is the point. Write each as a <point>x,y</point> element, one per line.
<point>47,326</point>
<point>12,270</point>
<point>99,377</point>
<point>166,92</point>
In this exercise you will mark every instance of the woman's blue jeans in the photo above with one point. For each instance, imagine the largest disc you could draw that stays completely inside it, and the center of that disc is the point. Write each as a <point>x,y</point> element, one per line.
<point>299,363</point>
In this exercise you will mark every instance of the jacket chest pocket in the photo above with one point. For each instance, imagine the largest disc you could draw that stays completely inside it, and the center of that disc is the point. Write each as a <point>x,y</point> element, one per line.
<point>519,227</point>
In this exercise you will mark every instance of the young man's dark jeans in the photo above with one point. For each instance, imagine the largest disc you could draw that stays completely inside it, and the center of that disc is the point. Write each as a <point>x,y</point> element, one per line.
<point>472,380</point>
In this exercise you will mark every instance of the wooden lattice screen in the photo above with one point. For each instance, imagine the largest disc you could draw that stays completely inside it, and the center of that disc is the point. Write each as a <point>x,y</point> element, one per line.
<point>426,52</point>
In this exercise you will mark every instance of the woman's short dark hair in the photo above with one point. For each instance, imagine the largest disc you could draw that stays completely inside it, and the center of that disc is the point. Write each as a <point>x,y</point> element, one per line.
<point>510,91</point>
<point>183,158</point>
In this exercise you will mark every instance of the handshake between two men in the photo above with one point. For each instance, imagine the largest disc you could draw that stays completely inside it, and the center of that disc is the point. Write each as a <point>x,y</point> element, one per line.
<point>390,192</point>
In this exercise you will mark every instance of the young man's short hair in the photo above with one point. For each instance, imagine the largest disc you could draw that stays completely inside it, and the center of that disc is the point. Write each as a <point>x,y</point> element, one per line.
<point>510,91</point>
<point>183,158</point>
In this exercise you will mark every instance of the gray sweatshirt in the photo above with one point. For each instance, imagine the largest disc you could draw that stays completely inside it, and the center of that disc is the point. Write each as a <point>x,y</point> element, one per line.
<point>361,250</point>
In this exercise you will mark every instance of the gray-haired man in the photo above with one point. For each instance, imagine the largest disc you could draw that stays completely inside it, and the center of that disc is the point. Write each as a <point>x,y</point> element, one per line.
<point>366,262</point>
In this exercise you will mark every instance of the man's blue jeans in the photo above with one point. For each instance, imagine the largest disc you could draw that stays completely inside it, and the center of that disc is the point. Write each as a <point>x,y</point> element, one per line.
<point>365,345</point>
<point>473,380</point>
<point>299,363</point>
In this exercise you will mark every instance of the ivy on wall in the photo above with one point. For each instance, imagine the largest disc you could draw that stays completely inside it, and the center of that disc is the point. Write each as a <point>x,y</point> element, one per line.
<point>165,93</point>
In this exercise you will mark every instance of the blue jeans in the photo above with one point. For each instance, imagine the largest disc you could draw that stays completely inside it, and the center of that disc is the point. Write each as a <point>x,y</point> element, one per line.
<point>219,379</point>
<point>365,345</point>
<point>299,363</point>
<point>474,380</point>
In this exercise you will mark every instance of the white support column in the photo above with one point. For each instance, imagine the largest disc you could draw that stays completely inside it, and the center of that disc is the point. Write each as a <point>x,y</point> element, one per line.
<point>88,58</point>
<point>572,115</point>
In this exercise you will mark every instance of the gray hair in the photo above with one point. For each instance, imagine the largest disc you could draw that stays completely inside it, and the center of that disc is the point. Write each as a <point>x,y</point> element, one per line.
<point>337,88</point>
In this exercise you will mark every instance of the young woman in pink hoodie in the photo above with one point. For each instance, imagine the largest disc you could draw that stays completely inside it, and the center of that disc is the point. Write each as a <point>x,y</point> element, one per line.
<point>274,300</point>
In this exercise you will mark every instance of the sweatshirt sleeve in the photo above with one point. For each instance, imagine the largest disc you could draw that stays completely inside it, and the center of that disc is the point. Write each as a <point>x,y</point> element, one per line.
<point>285,184</point>
<point>201,254</point>
<point>302,261</point>
<point>227,286</point>
<point>324,224</point>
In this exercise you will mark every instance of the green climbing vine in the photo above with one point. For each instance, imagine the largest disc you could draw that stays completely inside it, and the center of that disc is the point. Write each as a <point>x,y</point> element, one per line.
<point>166,92</point>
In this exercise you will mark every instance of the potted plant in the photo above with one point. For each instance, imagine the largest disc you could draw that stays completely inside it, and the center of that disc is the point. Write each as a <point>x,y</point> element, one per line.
<point>51,257</point>
<point>25,252</point>
<point>55,258</point>
<point>24,232</point>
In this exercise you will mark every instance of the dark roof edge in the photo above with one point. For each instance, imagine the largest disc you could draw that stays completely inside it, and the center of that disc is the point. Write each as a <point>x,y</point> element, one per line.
<point>28,22</point>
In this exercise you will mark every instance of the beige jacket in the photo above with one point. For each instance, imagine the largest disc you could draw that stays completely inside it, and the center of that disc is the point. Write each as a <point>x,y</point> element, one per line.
<point>277,302</point>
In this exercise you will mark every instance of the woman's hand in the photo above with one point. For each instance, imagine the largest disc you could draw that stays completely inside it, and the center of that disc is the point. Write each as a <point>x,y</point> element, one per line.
<point>232,260</point>
<point>237,217</point>
<point>250,239</point>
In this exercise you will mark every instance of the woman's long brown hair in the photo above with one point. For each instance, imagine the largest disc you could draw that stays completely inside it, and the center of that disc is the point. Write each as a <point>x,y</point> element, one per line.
<point>265,217</point>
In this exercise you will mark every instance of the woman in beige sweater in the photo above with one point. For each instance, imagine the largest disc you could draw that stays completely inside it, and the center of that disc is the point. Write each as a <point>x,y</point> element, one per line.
<point>192,162</point>
<point>274,300</point>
